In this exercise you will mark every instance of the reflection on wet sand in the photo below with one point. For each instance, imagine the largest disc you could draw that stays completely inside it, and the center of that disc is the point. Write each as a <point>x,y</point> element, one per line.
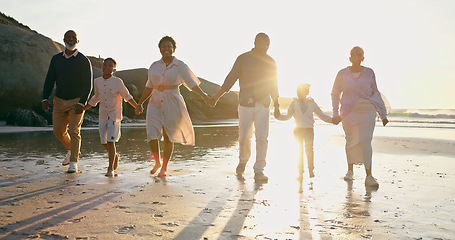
<point>202,198</point>
<point>42,145</point>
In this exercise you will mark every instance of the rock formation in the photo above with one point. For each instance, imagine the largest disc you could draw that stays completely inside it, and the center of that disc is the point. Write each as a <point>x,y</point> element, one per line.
<point>24,60</point>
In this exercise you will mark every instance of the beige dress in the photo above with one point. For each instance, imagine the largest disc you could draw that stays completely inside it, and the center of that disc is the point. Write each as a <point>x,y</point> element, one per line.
<point>360,99</point>
<point>166,109</point>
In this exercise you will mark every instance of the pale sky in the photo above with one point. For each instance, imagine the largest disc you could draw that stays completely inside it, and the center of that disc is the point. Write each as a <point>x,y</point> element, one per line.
<point>410,44</point>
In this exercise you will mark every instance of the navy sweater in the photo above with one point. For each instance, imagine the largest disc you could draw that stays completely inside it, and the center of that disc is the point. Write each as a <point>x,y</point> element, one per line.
<point>72,77</point>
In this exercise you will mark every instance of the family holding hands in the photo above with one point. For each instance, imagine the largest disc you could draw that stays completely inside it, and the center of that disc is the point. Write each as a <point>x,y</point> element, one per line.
<point>167,118</point>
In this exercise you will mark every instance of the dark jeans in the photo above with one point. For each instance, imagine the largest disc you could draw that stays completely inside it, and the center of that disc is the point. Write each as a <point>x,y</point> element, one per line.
<point>305,135</point>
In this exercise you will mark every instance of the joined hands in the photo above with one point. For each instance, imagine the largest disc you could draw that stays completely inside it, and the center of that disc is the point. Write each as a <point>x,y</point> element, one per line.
<point>139,109</point>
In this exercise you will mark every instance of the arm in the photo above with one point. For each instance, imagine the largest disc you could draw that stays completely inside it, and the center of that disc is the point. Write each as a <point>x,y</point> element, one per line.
<point>192,82</point>
<point>230,80</point>
<point>274,94</point>
<point>133,103</point>
<point>380,103</point>
<point>202,94</point>
<point>145,94</point>
<point>49,83</point>
<point>217,96</point>
<point>86,81</point>
<point>87,106</point>
<point>288,115</point>
<point>123,91</point>
<point>324,117</point>
<point>336,94</point>
<point>86,86</point>
<point>94,100</point>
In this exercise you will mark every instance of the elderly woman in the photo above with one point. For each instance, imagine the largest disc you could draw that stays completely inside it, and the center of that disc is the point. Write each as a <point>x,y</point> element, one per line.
<point>360,100</point>
<point>167,116</point>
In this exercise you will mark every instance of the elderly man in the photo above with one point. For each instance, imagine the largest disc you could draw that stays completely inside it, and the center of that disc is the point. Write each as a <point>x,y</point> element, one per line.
<point>257,75</point>
<point>71,73</point>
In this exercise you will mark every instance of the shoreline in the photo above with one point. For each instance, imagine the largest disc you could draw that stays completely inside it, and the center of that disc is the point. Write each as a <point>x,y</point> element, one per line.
<point>203,199</point>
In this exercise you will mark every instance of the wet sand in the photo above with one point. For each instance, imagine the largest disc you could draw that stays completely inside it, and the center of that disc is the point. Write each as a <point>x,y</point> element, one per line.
<point>202,198</point>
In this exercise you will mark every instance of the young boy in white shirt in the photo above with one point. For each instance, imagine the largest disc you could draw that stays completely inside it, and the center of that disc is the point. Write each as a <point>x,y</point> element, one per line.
<point>109,91</point>
<point>302,109</point>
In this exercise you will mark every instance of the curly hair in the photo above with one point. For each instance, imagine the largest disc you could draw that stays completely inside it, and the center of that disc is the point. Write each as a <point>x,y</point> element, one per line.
<point>170,39</point>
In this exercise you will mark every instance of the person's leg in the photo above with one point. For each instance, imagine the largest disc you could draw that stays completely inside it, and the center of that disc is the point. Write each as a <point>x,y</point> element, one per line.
<point>168,148</point>
<point>154,146</point>
<point>366,133</point>
<point>245,133</point>
<point>74,128</point>
<point>352,147</point>
<point>111,152</point>
<point>261,129</point>
<point>299,138</point>
<point>60,120</point>
<point>309,149</point>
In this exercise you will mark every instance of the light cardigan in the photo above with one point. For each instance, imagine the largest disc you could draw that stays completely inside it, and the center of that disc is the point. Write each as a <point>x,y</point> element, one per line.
<point>303,113</point>
<point>352,89</point>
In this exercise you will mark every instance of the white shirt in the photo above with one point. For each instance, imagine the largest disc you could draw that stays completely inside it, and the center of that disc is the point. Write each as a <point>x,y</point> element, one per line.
<point>72,55</point>
<point>303,113</point>
<point>109,92</point>
<point>176,73</point>
<point>167,108</point>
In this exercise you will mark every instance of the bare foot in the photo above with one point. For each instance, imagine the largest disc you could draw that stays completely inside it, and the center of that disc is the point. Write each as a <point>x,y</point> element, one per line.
<point>311,174</point>
<point>117,157</point>
<point>110,173</point>
<point>162,174</point>
<point>156,167</point>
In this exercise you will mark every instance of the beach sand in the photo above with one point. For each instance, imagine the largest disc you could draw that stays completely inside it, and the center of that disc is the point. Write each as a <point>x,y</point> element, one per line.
<point>202,198</point>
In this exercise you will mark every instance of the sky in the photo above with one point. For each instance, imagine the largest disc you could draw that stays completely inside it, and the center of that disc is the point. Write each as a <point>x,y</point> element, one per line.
<point>408,43</point>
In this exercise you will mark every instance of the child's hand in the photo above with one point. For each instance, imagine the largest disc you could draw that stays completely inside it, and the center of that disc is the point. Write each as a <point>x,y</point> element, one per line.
<point>277,113</point>
<point>139,109</point>
<point>336,120</point>
<point>87,106</point>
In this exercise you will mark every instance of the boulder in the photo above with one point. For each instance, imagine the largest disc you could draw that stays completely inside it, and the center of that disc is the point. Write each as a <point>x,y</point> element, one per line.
<point>25,117</point>
<point>25,57</point>
<point>135,80</point>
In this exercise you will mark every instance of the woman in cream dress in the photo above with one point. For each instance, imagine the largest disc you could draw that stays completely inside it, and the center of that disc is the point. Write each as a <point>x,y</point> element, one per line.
<point>356,91</point>
<point>167,115</point>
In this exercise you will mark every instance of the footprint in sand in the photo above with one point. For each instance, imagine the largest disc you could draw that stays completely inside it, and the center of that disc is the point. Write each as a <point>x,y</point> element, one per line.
<point>170,224</point>
<point>121,207</point>
<point>126,229</point>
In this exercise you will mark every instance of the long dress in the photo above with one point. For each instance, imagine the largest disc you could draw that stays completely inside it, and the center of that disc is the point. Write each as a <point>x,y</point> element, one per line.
<point>166,109</point>
<point>360,101</point>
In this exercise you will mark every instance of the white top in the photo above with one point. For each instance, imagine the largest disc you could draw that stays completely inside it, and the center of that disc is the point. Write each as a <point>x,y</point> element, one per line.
<point>167,108</point>
<point>109,92</point>
<point>303,113</point>
<point>72,55</point>
<point>354,87</point>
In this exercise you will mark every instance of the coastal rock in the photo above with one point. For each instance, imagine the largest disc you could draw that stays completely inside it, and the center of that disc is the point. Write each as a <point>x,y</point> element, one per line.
<point>135,80</point>
<point>25,57</point>
<point>25,117</point>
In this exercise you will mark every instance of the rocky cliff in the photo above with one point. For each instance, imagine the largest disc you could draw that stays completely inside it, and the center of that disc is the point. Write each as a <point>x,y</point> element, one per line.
<point>24,61</point>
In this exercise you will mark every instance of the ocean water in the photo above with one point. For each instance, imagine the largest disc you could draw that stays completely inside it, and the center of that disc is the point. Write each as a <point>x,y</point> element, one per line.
<point>423,118</point>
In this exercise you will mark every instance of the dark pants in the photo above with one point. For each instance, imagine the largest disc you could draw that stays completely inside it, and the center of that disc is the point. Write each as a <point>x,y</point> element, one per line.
<point>305,135</point>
